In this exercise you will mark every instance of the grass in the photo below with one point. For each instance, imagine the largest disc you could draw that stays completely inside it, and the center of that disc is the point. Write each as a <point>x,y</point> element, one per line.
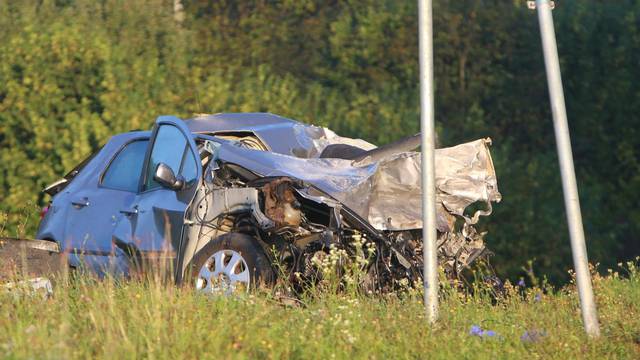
<point>145,319</point>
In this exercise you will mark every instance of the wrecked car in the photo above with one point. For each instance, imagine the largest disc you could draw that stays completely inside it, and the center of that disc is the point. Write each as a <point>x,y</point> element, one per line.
<point>237,200</point>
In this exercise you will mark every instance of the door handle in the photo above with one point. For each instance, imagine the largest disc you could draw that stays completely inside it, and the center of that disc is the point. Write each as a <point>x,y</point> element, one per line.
<point>81,202</point>
<point>130,212</point>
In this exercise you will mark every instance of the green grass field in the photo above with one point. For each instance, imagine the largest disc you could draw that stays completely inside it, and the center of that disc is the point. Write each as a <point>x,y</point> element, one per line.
<point>144,319</point>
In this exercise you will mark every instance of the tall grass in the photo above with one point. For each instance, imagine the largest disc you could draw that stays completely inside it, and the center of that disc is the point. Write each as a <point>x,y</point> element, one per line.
<point>148,319</point>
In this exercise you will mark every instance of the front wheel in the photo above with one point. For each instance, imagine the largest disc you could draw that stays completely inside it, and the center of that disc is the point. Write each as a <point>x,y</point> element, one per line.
<point>230,263</point>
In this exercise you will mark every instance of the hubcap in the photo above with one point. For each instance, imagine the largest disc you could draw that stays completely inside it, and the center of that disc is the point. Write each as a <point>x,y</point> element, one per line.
<point>225,272</point>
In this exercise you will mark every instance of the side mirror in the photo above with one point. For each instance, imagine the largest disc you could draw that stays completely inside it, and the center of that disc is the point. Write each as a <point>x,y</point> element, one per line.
<point>165,176</point>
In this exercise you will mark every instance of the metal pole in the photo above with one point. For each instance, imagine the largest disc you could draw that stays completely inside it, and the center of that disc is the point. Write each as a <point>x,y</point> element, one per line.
<point>429,233</point>
<point>563,142</point>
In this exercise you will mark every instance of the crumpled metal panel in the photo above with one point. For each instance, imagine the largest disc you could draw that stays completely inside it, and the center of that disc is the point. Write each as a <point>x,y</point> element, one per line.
<point>464,175</point>
<point>334,176</point>
<point>387,193</point>
<point>318,138</point>
<point>281,135</point>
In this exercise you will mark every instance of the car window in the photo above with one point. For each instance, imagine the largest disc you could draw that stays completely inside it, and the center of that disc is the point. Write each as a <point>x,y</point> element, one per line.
<point>171,148</point>
<point>125,170</point>
<point>189,166</point>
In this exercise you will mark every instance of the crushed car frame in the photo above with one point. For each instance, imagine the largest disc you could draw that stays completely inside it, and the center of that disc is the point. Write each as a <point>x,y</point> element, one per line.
<point>225,197</point>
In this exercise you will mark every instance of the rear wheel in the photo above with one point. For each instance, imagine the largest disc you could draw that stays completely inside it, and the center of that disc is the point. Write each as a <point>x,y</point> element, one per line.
<point>230,263</point>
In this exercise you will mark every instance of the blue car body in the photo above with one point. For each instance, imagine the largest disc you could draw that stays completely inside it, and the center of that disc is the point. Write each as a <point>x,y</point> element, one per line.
<point>118,207</point>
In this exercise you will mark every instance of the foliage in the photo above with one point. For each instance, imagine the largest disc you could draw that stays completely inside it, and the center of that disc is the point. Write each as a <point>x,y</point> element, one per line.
<point>144,319</point>
<point>74,72</point>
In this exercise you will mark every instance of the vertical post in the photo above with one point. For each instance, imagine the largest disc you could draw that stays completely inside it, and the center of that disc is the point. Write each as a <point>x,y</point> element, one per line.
<point>570,188</point>
<point>429,233</point>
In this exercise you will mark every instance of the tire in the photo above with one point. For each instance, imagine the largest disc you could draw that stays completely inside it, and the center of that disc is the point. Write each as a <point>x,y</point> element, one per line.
<point>221,274</point>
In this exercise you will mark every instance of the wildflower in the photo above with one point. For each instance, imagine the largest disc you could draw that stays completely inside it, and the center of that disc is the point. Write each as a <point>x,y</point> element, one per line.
<point>531,336</point>
<point>521,283</point>
<point>537,298</point>
<point>477,331</point>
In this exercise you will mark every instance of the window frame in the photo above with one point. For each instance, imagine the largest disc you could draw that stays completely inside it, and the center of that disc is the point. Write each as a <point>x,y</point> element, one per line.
<point>183,161</point>
<point>142,188</point>
<point>101,184</point>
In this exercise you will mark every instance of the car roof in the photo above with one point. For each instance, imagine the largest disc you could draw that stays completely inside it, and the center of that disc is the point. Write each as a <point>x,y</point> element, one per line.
<point>257,122</point>
<point>279,134</point>
<point>125,137</point>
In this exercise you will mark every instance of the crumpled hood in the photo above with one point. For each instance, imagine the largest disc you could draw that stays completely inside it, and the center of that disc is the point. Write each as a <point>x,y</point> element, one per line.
<point>388,193</point>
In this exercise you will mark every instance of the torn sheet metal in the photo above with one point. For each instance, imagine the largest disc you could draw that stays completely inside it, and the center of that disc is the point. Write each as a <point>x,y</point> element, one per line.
<point>320,137</point>
<point>387,193</point>
<point>464,175</point>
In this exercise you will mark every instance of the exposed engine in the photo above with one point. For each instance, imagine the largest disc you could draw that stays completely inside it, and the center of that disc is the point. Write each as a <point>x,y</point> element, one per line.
<point>299,226</point>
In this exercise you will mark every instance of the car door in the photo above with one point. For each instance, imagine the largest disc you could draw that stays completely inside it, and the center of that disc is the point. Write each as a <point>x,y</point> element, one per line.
<point>94,207</point>
<point>154,221</point>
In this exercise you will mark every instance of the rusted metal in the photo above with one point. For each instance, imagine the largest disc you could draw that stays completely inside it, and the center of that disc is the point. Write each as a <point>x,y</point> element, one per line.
<point>24,258</point>
<point>280,203</point>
